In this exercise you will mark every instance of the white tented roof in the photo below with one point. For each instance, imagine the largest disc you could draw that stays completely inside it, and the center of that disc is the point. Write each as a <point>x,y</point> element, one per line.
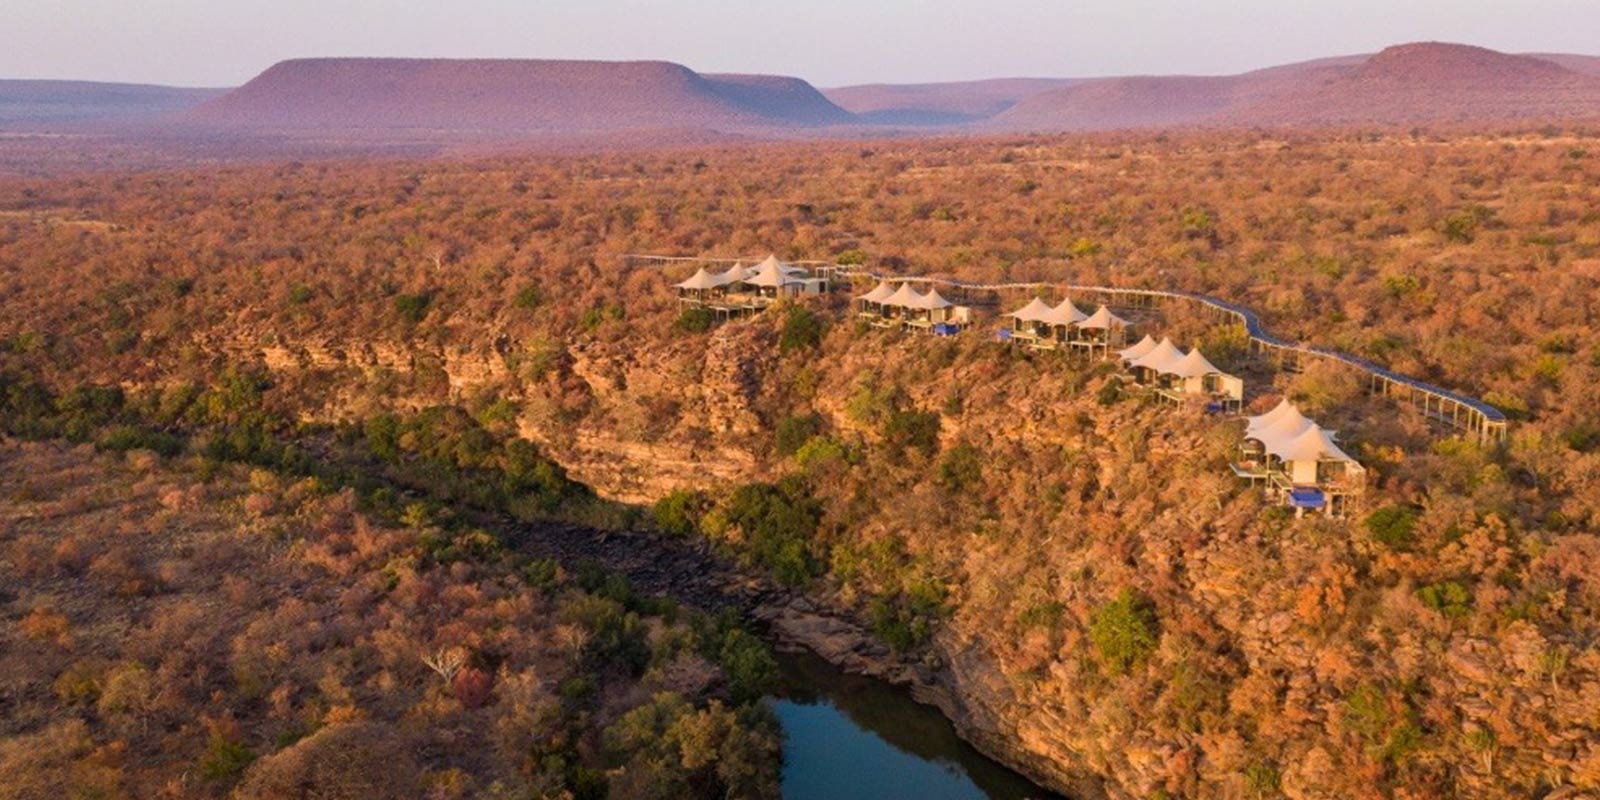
<point>1034,311</point>
<point>930,301</point>
<point>879,293</point>
<point>1137,351</point>
<point>1260,421</point>
<point>736,274</point>
<point>1161,358</point>
<point>1064,314</point>
<point>1194,365</point>
<point>1277,439</point>
<point>1313,444</point>
<point>1102,318</point>
<point>771,262</point>
<point>702,280</point>
<point>905,297</point>
<point>770,273</point>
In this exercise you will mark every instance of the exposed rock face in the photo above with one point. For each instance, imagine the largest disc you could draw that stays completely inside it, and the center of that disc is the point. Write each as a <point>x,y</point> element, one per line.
<point>1267,629</point>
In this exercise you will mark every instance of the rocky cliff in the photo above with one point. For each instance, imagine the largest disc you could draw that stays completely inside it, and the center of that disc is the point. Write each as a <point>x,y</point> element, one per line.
<point>1292,656</point>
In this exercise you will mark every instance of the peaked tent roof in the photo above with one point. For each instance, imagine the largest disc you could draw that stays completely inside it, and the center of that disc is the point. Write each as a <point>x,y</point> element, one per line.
<point>903,297</point>
<point>1313,444</point>
<point>930,301</point>
<point>1103,318</point>
<point>1260,421</point>
<point>1034,311</point>
<point>1064,313</point>
<point>1161,358</point>
<point>1194,365</point>
<point>879,293</point>
<point>736,273</point>
<point>769,273</point>
<point>1135,352</point>
<point>702,280</point>
<point>772,262</point>
<point>1276,439</point>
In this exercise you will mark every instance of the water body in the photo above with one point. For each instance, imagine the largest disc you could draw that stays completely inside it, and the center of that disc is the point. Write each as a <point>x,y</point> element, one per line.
<point>849,737</point>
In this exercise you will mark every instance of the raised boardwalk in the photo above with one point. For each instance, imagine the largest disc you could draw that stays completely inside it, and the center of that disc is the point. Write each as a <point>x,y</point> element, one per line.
<point>1468,414</point>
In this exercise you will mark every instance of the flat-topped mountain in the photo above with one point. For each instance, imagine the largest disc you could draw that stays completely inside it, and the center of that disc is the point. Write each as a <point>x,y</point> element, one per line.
<point>51,101</point>
<point>498,97</point>
<point>1421,82</point>
<point>938,103</point>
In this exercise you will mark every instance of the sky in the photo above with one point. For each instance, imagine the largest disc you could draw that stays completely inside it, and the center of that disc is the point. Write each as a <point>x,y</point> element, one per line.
<point>828,42</point>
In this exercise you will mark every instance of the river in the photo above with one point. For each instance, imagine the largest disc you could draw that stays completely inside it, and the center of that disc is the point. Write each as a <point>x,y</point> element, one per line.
<point>849,737</point>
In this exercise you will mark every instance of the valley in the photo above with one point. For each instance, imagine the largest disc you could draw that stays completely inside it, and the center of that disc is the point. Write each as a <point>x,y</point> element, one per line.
<point>1065,568</point>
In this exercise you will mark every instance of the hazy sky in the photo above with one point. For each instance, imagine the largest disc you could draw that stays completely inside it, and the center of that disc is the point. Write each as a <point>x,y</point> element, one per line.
<point>829,42</point>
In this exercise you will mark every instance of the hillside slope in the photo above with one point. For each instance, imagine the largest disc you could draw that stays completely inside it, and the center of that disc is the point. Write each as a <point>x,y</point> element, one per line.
<point>508,97</point>
<point>1419,82</point>
<point>36,101</point>
<point>938,103</point>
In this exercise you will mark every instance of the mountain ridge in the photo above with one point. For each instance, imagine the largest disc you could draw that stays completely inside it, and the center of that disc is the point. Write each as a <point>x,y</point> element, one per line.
<point>508,96</point>
<point>1408,83</point>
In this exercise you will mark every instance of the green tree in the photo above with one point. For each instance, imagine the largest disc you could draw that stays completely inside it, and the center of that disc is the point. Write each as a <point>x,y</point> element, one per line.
<point>679,512</point>
<point>413,307</point>
<point>748,663</point>
<point>1125,631</point>
<point>802,330</point>
<point>694,319</point>
<point>1394,526</point>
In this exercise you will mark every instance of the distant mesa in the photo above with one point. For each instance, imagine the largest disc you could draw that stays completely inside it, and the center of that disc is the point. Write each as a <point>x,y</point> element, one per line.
<point>47,101</point>
<point>498,97</point>
<point>444,101</point>
<point>938,103</point>
<point>1410,83</point>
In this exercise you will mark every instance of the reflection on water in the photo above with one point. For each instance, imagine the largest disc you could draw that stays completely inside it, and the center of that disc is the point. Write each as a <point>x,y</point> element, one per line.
<point>850,737</point>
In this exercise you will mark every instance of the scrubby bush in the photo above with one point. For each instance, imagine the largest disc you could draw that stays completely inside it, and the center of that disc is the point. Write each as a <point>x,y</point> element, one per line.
<point>961,467</point>
<point>679,512</point>
<point>794,431</point>
<point>694,319</point>
<point>802,330</point>
<point>779,524</point>
<point>1124,631</point>
<point>747,662</point>
<point>1393,526</point>
<point>912,429</point>
<point>413,308</point>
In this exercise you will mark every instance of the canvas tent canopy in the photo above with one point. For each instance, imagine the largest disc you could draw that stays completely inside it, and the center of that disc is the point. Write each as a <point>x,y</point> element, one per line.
<point>736,273</point>
<point>903,297</point>
<point>1315,443</point>
<point>1034,311</point>
<point>1160,358</point>
<point>1305,453</point>
<point>1103,319</point>
<point>879,293</point>
<point>1138,351</point>
<point>1286,417</point>
<point>771,262</point>
<point>770,275</point>
<point>929,302</point>
<point>1262,421</point>
<point>1275,438</point>
<point>702,280</point>
<point>1063,314</point>
<point>1193,365</point>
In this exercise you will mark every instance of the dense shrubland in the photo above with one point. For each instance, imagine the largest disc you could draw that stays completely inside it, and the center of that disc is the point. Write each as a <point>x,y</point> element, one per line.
<point>190,626</point>
<point>433,320</point>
